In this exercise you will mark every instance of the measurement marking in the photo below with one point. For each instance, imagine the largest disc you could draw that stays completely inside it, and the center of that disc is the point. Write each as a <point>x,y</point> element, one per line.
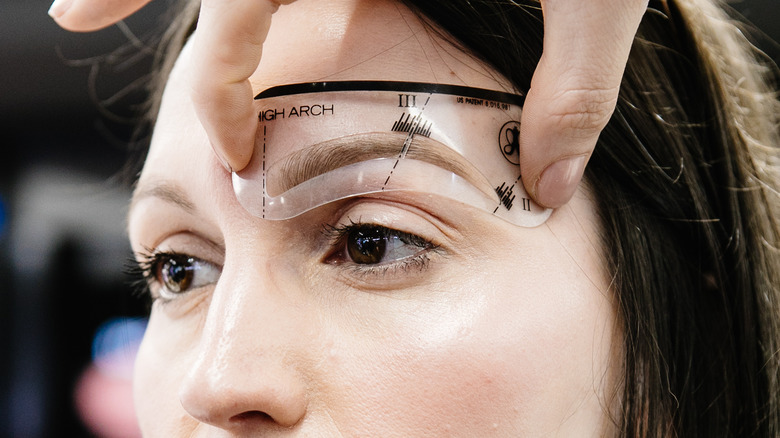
<point>507,197</point>
<point>264,193</point>
<point>413,128</point>
<point>407,100</point>
<point>412,124</point>
<point>506,194</point>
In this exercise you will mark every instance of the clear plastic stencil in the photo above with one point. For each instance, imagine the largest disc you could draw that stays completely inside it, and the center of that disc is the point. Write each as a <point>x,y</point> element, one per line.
<point>323,142</point>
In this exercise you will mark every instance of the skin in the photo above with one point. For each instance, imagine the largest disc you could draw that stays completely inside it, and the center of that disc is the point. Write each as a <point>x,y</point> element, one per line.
<point>502,331</point>
<point>573,92</point>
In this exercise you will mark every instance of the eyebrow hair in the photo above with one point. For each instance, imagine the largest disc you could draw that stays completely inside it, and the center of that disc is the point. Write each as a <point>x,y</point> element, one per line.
<point>166,190</point>
<point>307,163</point>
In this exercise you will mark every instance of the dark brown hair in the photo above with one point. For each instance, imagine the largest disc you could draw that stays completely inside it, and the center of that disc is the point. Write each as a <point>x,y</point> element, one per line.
<point>685,178</point>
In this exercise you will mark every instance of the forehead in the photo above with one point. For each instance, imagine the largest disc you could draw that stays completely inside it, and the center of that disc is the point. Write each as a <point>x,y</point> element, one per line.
<point>312,40</point>
<point>370,40</point>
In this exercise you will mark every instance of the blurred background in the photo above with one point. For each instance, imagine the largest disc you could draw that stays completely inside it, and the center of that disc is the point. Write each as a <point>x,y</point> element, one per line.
<point>69,318</point>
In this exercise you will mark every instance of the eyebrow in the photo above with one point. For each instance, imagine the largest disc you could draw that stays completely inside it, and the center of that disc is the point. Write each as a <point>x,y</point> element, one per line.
<point>166,190</point>
<point>323,157</point>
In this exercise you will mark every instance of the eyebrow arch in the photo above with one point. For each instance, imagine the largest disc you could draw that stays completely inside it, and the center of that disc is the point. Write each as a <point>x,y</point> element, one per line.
<point>323,157</point>
<point>166,190</point>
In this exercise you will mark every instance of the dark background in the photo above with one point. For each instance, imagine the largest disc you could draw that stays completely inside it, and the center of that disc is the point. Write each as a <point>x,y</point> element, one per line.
<point>67,103</point>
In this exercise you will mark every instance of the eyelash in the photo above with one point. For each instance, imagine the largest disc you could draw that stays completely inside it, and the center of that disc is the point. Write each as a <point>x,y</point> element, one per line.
<point>141,269</point>
<point>139,283</point>
<point>338,236</point>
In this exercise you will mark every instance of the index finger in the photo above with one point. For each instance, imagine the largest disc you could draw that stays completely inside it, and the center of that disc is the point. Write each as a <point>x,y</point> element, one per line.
<point>573,91</point>
<point>227,47</point>
<point>89,15</point>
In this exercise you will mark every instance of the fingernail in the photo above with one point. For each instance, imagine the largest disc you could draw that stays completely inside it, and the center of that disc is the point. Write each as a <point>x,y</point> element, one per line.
<point>59,8</point>
<point>222,159</point>
<point>559,181</point>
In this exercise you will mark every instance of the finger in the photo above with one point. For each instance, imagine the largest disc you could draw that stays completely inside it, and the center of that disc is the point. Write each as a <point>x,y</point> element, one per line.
<point>227,48</point>
<point>573,91</point>
<point>89,15</point>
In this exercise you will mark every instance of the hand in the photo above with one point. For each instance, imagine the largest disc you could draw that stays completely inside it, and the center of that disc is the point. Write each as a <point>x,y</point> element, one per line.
<point>573,91</point>
<point>227,49</point>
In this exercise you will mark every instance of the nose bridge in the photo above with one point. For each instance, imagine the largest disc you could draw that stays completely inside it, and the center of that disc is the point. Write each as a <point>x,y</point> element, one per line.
<point>248,359</point>
<point>252,318</point>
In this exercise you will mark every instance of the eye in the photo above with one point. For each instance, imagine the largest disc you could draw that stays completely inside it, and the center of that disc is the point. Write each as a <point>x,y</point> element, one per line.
<point>172,274</point>
<point>369,244</point>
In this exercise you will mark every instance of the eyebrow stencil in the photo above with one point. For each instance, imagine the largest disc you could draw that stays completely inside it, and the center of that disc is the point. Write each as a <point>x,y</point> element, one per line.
<point>322,142</point>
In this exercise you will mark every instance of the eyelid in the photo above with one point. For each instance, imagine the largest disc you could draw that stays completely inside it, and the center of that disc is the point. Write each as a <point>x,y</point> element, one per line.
<point>395,211</point>
<point>417,213</point>
<point>156,223</point>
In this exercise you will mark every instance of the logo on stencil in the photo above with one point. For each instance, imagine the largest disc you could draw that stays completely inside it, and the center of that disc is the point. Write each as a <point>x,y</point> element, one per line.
<point>509,141</point>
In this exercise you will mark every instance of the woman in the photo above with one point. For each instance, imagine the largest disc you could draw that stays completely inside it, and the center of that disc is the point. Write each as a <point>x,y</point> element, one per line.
<point>554,129</point>
<point>647,306</point>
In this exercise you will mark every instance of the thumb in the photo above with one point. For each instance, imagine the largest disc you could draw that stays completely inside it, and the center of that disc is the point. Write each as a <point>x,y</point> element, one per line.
<point>573,91</point>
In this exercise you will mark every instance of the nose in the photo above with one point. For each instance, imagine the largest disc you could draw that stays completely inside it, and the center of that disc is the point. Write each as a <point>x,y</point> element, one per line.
<point>246,375</point>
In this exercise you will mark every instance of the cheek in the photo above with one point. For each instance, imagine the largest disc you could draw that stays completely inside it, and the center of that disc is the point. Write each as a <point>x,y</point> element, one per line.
<point>158,374</point>
<point>501,356</point>
<point>455,390</point>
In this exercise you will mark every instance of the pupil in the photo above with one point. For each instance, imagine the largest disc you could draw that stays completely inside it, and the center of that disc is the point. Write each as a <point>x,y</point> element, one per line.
<point>366,245</point>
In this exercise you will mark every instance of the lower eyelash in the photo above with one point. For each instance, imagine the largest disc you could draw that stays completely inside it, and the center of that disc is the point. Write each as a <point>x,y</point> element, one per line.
<point>417,262</point>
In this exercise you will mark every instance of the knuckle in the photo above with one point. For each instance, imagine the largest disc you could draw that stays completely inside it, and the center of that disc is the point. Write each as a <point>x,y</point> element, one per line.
<point>584,110</point>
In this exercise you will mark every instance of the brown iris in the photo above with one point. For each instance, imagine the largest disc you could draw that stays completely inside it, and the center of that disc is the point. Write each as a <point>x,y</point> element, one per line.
<point>367,245</point>
<point>176,273</point>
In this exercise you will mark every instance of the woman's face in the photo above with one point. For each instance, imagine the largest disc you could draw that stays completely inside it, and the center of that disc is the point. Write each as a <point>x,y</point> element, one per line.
<point>476,327</point>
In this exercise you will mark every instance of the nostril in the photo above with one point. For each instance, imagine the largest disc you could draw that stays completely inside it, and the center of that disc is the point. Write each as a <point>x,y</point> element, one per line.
<point>251,417</point>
